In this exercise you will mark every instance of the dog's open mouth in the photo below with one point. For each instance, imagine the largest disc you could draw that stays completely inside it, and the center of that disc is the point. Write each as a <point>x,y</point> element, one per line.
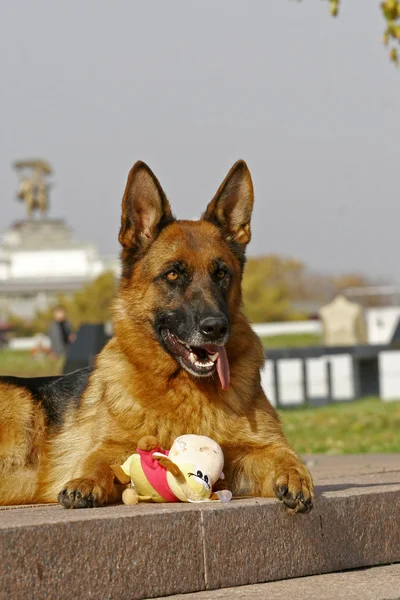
<point>201,361</point>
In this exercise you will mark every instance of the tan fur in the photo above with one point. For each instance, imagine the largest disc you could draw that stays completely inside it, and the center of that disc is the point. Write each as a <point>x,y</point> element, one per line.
<point>136,390</point>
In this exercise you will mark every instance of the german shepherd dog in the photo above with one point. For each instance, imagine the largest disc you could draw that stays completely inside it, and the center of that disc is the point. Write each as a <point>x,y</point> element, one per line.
<point>183,359</point>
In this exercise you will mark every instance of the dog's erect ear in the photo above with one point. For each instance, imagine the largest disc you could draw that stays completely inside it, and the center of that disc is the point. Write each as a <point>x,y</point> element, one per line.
<point>145,208</point>
<point>232,205</point>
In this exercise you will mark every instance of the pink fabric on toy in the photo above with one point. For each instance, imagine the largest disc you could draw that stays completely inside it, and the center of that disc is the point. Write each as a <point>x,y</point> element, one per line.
<point>156,474</point>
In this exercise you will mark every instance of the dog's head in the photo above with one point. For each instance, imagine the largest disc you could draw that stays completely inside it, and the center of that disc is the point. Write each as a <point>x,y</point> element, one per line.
<point>181,280</point>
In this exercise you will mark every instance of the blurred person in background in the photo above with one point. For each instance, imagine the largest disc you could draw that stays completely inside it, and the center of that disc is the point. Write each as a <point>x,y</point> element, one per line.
<point>60,332</point>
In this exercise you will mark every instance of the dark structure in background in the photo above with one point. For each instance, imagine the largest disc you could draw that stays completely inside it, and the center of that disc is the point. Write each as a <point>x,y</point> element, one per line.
<point>5,330</point>
<point>365,365</point>
<point>368,372</point>
<point>90,340</point>
<point>395,343</point>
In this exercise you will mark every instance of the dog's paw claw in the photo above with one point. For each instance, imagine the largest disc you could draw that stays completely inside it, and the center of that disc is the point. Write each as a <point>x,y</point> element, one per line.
<point>294,487</point>
<point>82,493</point>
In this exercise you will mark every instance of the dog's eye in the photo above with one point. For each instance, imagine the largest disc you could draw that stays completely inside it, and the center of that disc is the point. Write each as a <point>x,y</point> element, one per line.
<point>220,274</point>
<point>172,275</point>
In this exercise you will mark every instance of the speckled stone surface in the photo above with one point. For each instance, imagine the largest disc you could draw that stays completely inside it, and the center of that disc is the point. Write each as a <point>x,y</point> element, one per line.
<point>116,552</point>
<point>147,551</point>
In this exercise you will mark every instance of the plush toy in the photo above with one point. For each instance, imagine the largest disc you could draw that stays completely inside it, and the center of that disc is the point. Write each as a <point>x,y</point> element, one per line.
<point>186,473</point>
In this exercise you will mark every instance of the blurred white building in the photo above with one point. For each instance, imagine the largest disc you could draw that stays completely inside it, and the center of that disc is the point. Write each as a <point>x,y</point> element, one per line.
<point>39,259</point>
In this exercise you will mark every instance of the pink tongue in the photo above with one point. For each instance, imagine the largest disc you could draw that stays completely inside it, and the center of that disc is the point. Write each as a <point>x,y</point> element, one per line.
<point>223,368</point>
<point>222,364</point>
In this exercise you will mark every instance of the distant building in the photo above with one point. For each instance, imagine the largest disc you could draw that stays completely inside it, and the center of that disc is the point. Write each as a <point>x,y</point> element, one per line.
<point>40,260</point>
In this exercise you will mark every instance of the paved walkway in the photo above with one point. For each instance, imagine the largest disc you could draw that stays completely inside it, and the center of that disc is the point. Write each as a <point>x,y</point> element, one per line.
<point>376,583</point>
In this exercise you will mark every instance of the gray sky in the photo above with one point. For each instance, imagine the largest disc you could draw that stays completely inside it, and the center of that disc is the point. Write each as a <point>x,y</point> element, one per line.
<point>310,102</point>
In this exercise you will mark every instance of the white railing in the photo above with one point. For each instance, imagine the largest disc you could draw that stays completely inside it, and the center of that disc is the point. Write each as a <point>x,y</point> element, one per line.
<point>29,343</point>
<point>287,328</point>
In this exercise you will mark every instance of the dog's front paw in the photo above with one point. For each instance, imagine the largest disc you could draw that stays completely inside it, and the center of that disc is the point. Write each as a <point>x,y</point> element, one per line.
<point>82,493</point>
<point>293,485</point>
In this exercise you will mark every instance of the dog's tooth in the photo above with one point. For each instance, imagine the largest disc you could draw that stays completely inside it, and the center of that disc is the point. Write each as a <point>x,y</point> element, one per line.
<point>213,357</point>
<point>192,358</point>
<point>205,365</point>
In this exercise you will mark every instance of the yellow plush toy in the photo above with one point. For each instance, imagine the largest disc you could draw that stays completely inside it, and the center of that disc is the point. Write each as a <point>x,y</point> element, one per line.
<point>186,473</point>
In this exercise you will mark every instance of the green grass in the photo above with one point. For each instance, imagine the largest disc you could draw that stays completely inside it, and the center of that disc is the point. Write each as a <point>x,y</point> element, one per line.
<point>23,364</point>
<point>294,340</point>
<point>368,425</point>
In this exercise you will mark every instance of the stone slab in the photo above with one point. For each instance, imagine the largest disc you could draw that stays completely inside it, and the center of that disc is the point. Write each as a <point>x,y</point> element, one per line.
<point>376,583</point>
<point>121,552</point>
<point>115,552</point>
<point>251,542</point>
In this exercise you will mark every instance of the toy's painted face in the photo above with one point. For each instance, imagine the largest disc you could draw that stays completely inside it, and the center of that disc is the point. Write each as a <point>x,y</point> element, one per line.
<point>201,478</point>
<point>198,483</point>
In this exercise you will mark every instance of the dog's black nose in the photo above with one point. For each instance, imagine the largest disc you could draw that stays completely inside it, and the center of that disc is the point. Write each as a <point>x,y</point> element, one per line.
<point>214,327</point>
